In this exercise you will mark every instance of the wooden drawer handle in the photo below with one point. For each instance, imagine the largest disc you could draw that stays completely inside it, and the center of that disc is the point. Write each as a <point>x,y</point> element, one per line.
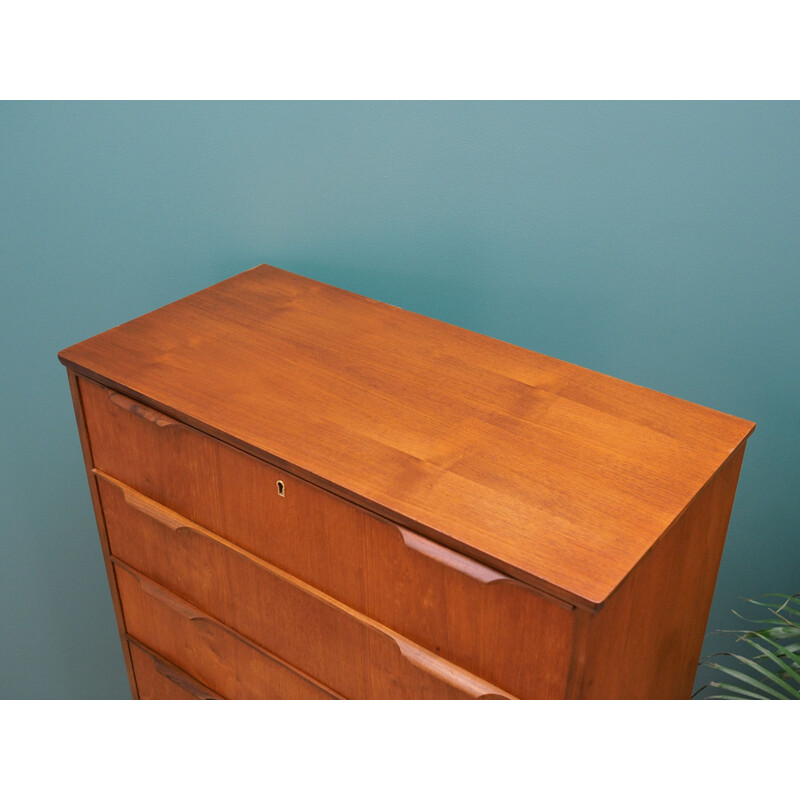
<point>450,558</point>
<point>179,679</point>
<point>160,514</point>
<point>448,673</point>
<point>171,601</point>
<point>466,565</point>
<point>143,411</point>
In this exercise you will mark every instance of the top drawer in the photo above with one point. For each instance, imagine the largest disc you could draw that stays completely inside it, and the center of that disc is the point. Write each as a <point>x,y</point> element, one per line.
<point>486,622</point>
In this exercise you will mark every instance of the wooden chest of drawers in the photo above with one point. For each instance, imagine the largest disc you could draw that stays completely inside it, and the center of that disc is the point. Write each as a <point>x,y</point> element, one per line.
<point>303,493</point>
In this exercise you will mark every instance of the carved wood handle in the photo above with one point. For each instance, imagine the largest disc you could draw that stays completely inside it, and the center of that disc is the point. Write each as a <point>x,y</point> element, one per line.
<point>450,558</point>
<point>172,601</point>
<point>181,680</point>
<point>466,565</point>
<point>143,411</point>
<point>155,511</point>
<point>448,673</point>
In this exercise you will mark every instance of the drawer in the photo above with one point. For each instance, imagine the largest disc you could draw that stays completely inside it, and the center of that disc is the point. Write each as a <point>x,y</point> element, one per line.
<point>336,646</point>
<point>450,604</point>
<point>158,680</point>
<point>204,648</point>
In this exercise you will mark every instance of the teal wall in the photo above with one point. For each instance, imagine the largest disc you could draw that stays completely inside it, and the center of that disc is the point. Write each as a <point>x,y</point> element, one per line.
<point>656,242</point>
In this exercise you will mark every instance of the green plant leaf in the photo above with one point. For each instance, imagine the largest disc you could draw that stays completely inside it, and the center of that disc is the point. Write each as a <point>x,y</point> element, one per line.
<point>768,622</point>
<point>764,671</point>
<point>789,605</point>
<point>790,629</point>
<point>791,662</point>
<point>738,690</point>
<point>744,678</point>
<point>786,599</point>
<point>775,664</point>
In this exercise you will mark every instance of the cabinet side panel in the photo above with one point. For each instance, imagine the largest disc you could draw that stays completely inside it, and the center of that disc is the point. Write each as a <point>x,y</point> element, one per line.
<point>645,642</point>
<point>101,526</point>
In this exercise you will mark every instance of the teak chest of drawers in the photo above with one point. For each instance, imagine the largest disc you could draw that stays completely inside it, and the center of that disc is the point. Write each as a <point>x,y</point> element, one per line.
<point>303,493</point>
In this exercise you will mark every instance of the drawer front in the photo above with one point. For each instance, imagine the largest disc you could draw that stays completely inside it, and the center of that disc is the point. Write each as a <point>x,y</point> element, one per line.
<point>227,663</point>
<point>313,633</point>
<point>491,625</point>
<point>158,680</point>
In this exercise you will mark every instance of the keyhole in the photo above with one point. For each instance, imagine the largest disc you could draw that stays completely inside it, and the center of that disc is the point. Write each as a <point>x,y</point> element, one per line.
<point>281,489</point>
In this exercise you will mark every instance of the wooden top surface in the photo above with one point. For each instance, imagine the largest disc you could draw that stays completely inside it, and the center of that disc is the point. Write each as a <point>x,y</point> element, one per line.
<point>558,475</point>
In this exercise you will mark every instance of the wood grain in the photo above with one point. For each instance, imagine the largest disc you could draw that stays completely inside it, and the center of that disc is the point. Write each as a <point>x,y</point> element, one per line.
<point>554,474</point>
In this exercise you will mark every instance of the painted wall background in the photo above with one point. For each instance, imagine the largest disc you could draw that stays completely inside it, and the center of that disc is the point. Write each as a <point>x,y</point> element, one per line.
<point>656,242</point>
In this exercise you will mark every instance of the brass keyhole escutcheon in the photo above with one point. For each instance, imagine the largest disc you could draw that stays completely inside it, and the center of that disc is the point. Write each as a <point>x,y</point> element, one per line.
<point>281,488</point>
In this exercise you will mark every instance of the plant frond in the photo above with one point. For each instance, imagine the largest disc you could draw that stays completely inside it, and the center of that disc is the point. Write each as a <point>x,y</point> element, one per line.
<point>775,665</point>
<point>737,690</point>
<point>743,677</point>
<point>768,675</point>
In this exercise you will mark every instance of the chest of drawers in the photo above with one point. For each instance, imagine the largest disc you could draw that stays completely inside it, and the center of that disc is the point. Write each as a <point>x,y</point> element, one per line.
<point>303,493</point>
